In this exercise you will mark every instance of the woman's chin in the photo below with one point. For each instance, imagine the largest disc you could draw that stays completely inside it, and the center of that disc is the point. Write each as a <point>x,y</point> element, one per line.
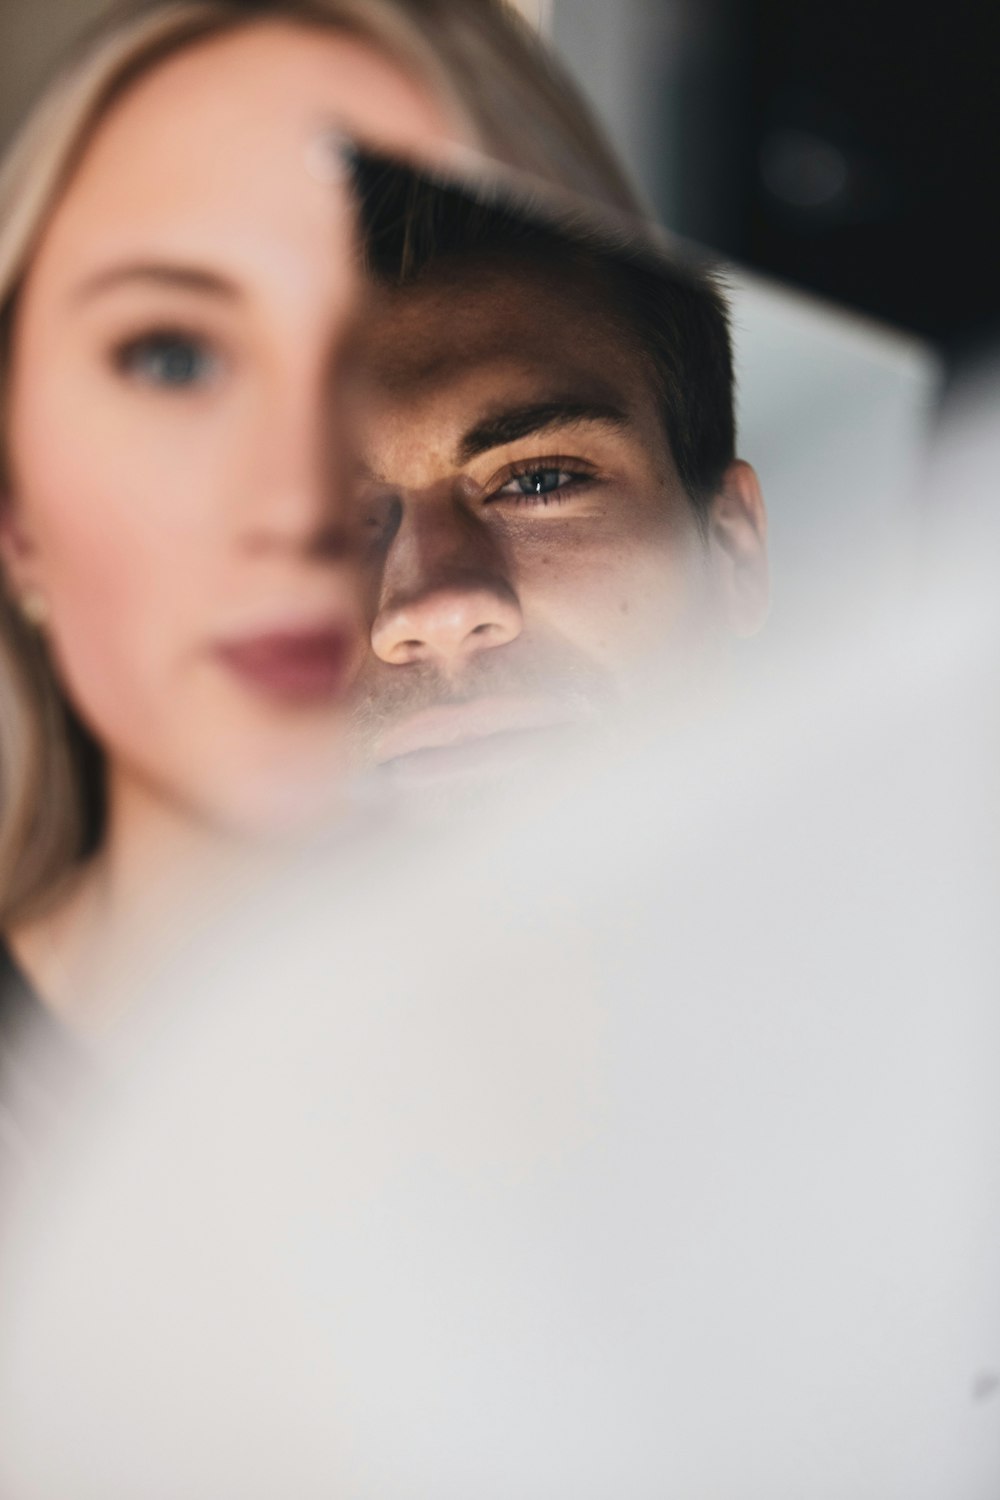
<point>283,804</point>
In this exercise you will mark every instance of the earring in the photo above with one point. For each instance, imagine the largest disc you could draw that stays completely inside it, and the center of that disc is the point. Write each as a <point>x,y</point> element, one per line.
<point>34,608</point>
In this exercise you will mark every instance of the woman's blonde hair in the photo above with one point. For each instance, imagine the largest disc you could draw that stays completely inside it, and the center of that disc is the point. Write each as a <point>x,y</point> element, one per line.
<point>476,56</point>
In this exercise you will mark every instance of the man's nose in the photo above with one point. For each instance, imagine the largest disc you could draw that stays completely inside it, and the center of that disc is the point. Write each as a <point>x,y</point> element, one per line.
<point>445,593</point>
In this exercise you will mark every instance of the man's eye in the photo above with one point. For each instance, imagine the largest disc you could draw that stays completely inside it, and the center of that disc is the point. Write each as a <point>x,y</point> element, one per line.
<point>541,485</point>
<point>174,361</point>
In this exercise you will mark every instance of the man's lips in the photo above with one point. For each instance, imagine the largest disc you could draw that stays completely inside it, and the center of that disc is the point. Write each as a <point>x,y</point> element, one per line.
<point>299,664</point>
<point>455,734</point>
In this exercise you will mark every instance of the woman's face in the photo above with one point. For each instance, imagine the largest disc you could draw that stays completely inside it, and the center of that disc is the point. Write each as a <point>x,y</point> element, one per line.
<point>174,462</point>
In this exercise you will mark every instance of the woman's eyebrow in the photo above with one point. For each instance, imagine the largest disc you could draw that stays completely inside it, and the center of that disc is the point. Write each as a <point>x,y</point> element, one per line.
<point>157,273</point>
<point>524,421</point>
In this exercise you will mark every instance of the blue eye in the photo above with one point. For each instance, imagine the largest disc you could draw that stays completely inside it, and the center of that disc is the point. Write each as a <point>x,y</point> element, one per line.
<point>539,484</point>
<point>174,361</point>
<point>540,481</point>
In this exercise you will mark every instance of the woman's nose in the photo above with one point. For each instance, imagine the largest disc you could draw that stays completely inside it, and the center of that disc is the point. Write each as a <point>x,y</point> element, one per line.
<point>297,480</point>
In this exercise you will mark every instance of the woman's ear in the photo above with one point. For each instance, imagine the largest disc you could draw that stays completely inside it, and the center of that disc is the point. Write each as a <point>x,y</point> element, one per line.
<point>16,550</point>
<point>18,564</point>
<point>737,539</point>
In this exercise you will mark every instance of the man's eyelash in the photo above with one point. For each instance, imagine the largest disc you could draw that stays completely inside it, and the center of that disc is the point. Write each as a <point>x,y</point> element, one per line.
<point>576,471</point>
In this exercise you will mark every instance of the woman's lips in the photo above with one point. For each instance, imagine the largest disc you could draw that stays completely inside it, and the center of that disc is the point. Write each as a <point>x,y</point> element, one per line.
<point>295,665</point>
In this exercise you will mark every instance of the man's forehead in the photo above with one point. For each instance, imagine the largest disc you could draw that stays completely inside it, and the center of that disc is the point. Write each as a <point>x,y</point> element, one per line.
<point>507,315</point>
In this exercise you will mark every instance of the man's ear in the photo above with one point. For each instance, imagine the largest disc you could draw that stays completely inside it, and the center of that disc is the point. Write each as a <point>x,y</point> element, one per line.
<point>737,539</point>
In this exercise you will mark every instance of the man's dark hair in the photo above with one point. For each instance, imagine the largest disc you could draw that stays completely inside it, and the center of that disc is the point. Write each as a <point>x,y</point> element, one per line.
<point>413,226</point>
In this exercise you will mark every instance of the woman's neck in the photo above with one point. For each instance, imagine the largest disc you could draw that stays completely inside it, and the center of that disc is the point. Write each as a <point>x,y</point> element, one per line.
<point>157,871</point>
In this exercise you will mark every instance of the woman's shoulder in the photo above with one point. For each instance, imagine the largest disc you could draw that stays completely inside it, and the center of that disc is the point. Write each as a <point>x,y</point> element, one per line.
<point>23,1011</point>
<point>19,1000</point>
<point>41,1062</point>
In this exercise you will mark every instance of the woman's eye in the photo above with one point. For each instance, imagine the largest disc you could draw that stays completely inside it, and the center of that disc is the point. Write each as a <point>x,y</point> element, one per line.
<point>172,361</point>
<point>540,484</point>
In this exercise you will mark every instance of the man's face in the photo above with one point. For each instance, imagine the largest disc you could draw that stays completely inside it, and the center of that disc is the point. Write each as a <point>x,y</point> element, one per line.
<point>529,545</point>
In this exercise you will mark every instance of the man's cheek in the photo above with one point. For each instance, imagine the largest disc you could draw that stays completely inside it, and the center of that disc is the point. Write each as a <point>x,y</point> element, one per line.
<point>617,606</point>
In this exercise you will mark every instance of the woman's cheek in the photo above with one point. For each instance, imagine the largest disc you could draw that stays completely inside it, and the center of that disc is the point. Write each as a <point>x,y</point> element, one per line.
<point>102,625</point>
<point>106,575</point>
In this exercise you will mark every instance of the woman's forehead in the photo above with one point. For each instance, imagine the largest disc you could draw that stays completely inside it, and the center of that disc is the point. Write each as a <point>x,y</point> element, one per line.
<point>289,64</point>
<point>219,134</point>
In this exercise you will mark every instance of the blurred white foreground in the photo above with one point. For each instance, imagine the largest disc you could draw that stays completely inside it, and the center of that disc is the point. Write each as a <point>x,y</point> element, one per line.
<point>643,1143</point>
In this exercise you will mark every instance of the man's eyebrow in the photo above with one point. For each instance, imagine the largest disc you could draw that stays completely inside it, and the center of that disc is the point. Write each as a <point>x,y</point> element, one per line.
<point>157,273</point>
<point>524,421</point>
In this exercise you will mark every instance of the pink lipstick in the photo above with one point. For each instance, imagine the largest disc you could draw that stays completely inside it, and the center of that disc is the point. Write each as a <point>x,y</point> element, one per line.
<point>295,665</point>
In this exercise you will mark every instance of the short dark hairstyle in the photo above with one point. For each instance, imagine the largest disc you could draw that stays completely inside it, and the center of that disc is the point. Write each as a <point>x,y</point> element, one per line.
<point>413,225</point>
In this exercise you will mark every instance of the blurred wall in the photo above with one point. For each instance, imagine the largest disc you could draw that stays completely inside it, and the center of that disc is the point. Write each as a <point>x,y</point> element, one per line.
<point>660,75</point>
<point>538,12</point>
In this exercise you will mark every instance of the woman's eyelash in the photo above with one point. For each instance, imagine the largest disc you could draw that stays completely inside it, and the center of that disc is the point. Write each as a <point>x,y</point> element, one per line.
<point>172,359</point>
<point>547,481</point>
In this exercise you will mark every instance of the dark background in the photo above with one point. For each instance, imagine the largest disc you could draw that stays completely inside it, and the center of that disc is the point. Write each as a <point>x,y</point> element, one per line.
<point>850,148</point>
